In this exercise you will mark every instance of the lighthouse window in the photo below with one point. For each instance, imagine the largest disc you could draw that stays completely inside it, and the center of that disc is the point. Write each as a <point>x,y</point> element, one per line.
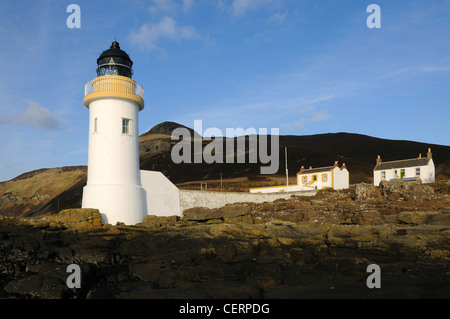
<point>126,126</point>
<point>95,125</point>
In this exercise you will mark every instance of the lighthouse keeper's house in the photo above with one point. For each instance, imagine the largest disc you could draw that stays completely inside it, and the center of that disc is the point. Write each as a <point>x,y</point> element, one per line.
<point>311,179</point>
<point>334,177</point>
<point>420,168</point>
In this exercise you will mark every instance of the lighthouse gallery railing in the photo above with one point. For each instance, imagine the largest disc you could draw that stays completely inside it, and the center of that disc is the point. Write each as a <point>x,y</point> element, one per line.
<point>113,83</point>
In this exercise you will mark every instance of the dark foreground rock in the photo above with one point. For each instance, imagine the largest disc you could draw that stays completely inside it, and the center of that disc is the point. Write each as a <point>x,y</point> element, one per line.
<point>300,248</point>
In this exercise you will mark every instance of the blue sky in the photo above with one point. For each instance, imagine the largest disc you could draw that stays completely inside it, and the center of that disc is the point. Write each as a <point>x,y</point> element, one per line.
<point>303,66</point>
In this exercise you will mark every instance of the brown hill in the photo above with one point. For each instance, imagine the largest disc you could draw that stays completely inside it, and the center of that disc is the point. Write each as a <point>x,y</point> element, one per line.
<point>166,128</point>
<point>50,190</point>
<point>358,152</point>
<point>34,191</point>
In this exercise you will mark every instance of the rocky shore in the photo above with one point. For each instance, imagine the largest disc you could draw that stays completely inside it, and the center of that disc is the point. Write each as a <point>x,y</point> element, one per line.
<point>303,247</point>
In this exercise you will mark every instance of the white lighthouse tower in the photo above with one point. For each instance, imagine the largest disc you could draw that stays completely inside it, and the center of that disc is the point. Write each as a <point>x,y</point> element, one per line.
<point>114,100</point>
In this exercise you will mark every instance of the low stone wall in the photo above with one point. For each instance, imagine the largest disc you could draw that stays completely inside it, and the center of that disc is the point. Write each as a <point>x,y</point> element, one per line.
<point>190,198</point>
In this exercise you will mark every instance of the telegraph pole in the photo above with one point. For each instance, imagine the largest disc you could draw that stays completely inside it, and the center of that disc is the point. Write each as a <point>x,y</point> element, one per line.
<point>286,163</point>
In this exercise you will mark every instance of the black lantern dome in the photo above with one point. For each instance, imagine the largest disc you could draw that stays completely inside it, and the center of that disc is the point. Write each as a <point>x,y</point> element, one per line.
<point>114,61</point>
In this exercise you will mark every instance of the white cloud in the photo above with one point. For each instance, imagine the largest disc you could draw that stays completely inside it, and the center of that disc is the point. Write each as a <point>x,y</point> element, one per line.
<point>320,116</point>
<point>307,115</point>
<point>291,127</point>
<point>278,17</point>
<point>240,7</point>
<point>411,71</point>
<point>163,6</point>
<point>170,6</point>
<point>434,68</point>
<point>307,109</point>
<point>148,35</point>
<point>187,5</point>
<point>37,116</point>
<point>222,6</point>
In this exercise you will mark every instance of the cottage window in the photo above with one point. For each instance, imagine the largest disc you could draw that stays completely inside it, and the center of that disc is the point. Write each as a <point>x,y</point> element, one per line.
<point>305,179</point>
<point>324,178</point>
<point>383,175</point>
<point>396,174</point>
<point>314,178</point>
<point>417,171</point>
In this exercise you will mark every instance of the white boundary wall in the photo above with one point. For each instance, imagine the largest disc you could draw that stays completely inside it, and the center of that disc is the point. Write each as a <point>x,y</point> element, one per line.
<point>163,198</point>
<point>191,198</point>
<point>275,189</point>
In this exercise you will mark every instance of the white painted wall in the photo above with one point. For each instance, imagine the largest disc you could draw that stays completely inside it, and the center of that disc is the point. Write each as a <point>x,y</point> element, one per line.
<point>341,178</point>
<point>163,197</point>
<point>318,184</point>
<point>116,202</point>
<point>113,156</point>
<point>427,173</point>
<point>336,178</point>
<point>275,189</point>
<point>114,180</point>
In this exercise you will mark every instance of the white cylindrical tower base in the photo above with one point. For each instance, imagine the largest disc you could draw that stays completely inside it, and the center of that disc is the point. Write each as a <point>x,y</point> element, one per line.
<point>117,203</point>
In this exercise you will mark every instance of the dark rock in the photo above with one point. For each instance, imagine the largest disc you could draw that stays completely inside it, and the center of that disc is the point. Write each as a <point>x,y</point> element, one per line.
<point>228,213</point>
<point>405,187</point>
<point>286,249</point>
<point>366,191</point>
<point>158,222</point>
<point>202,213</point>
<point>37,286</point>
<point>424,218</point>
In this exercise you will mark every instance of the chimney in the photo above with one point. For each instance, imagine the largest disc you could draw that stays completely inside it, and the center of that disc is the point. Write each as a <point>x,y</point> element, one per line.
<point>343,166</point>
<point>310,167</point>
<point>336,164</point>
<point>302,168</point>
<point>420,155</point>
<point>379,160</point>
<point>429,154</point>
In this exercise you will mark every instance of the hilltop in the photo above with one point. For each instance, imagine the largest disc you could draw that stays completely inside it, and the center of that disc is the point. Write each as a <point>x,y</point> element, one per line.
<point>358,152</point>
<point>50,190</point>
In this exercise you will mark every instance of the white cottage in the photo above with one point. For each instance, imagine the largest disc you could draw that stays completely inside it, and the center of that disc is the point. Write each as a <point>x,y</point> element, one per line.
<point>421,168</point>
<point>312,179</point>
<point>324,177</point>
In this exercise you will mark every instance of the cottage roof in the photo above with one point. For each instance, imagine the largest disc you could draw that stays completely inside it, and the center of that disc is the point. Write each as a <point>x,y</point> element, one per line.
<point>405,179</point>
<point>316,170</point>
<point>402,164</point>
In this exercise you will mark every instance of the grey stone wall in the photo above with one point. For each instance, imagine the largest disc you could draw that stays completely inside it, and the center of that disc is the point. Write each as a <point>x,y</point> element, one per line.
<point>192,198</point>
